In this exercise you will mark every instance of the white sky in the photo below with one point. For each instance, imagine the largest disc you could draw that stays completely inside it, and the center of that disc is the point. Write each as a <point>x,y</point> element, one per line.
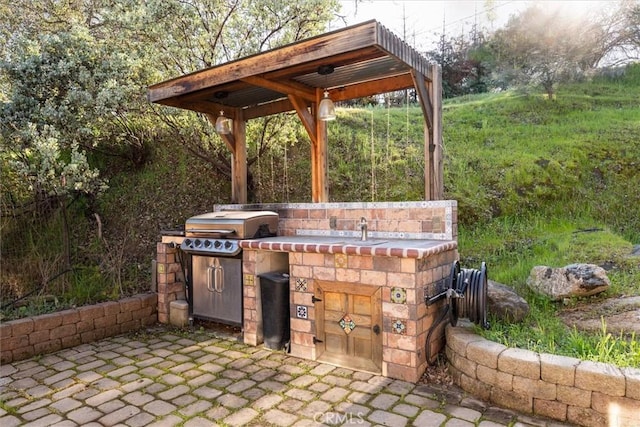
<point>420,22</point>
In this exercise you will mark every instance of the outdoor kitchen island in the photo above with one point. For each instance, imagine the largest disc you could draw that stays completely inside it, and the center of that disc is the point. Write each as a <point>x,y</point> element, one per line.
<point>357,304</point>
<point>353,303</point>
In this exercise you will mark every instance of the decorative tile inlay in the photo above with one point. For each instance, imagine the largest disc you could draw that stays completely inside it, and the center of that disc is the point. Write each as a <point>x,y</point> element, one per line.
<point>347,324</point>
<point>340,260</point>
<point>399,295</point>
<point>301,285</point>
<point>248,279</point>
<point>301,312</point>
<point>399,327</point>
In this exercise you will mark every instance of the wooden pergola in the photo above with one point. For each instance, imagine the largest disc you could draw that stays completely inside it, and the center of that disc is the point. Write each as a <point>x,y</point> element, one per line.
<point>367,59</point>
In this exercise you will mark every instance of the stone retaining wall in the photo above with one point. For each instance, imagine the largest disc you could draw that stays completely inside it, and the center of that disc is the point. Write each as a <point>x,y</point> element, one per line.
<point>24,338</point>
<point>563,388</point>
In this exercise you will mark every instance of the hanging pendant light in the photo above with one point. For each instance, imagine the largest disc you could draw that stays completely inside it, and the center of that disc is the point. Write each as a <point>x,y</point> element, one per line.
<point>326,108</point>
<point>223,124</point>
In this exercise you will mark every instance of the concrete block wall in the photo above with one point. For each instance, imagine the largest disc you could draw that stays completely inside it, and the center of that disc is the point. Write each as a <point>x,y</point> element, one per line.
<point>563,388</point>
<point>30,336</point>
<point>170,283</point>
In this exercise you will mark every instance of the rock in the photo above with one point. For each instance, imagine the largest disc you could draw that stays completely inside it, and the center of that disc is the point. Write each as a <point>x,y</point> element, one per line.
<point>619,315</point>
<point>574,280</point>
<point>503,302</point>
<point>636,250</point>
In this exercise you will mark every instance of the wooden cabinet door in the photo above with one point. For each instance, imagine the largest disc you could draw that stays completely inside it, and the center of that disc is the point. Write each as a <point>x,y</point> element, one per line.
<point>349,325</point>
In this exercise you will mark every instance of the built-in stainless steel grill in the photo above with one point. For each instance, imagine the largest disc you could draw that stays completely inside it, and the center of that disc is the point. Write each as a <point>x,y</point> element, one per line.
<point>217,233</point>
<point>212,241</point>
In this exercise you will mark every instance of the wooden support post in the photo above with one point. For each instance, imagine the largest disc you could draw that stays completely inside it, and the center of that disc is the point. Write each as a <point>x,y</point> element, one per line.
<point>432,110</point>
<point>239,160</point>
<point>437,192</point>
<point>424,89</point>
<point>428,163</point>
<point>319,184</point>
<point>236,143</point>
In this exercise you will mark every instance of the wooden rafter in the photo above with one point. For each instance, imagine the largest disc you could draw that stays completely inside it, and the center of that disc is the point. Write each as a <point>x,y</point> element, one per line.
<point>289,87</point>
<point>263,110</point>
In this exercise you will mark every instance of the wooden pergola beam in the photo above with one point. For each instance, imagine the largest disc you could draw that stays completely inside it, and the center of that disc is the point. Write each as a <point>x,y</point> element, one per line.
<point>359,90</point>
<point>204,107</point>
<point>263,110</point>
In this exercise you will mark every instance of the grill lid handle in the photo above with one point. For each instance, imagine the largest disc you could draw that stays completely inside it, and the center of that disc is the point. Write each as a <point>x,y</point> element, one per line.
<point>210,230</point>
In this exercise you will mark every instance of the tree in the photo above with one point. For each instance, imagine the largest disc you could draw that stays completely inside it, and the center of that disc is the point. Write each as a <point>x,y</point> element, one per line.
<point>65,89</point>
<point>80,67</point>
<point>537,47</point>
<point>633,16</point>
<point>184,36</point>
<point>73,78</point>
<point>463,71</point>
<point>618,38</point>
<point>546,46</point>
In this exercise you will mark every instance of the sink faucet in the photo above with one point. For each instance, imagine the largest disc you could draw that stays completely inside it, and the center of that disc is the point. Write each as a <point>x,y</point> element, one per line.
<point>363,228</point>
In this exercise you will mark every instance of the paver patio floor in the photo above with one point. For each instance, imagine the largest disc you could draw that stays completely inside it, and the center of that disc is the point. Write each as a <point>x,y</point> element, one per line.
<point>167,377</point>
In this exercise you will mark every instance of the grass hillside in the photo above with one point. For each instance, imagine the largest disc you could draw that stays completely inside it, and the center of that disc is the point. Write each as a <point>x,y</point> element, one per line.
<point>514,155</point>
<point>551,182</point>
<point>528,173</point>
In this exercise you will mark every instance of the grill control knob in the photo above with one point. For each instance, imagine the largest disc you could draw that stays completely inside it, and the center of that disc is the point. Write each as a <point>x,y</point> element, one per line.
<point>217,244</point>
<point>188,243</point>
<point>207,244</point>
<point>228,244</point>
<point>197,243</point>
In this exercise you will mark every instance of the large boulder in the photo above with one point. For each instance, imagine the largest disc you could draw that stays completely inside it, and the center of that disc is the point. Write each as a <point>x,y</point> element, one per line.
<point>505,303</point>
<point>618,315</point>
<point>572,281</point>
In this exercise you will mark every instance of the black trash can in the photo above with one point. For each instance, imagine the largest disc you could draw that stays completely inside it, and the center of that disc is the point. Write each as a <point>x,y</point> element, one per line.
<point>274,293</point>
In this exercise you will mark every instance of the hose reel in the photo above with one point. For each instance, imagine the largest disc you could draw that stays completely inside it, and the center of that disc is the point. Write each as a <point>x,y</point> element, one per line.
<point>465,292</point>
<point>469,300</point>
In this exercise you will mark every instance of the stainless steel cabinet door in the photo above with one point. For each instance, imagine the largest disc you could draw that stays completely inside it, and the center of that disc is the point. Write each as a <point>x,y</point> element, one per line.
<point>217,289</point>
